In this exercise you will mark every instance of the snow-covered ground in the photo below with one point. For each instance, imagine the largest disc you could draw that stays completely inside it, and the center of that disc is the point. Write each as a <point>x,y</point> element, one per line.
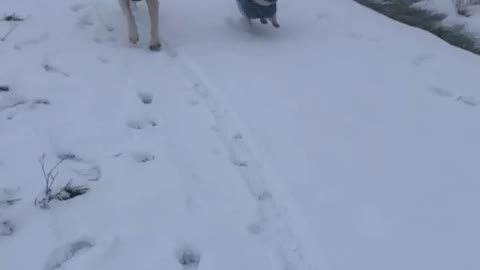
<point>343,140</point>
<point>469,17</point>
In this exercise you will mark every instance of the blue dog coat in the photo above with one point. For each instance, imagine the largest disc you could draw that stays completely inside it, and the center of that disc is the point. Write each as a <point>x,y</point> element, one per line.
<point>255,11</point>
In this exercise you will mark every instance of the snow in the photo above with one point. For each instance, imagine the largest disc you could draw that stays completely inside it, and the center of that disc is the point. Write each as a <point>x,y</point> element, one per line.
<point>471,8</point>
<point>342,140</point>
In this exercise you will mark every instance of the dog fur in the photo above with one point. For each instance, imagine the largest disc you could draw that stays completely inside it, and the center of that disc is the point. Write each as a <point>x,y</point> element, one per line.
<point>152,5</point>
<point>265,10</point>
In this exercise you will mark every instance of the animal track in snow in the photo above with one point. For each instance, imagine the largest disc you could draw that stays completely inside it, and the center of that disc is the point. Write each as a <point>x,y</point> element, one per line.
<point>62,255</point>
<point>44,37</point>
<point>284,239</point>
<point>104,39</point>
<point>188,257</point>
<point>142,157</point>
<point>11,103</point>
<point>321,16</point>
<point>103,59</point>
<point>109,28</point>
<point>77,7</point>
<point>240,163</point>
<point>39,102</point>
<point>8,197</point>
<point>83,169</point>
<point>54,69</point>
<point>238,156</point>
<point>6,228</point>
<point>264,196</point>
<point>216,128</point>
<point>85,21</point>
<point>67,156</point>
<point>146,98</point>
<point>43,101</point>
<point>466,100</point>
<point>216,151</point>
<point>470,101</point>
<point>441,92</point>
<point>135,125</point>
<point>141,124</point>
<point>193,102</point>
<point>14,103</point>
<point>420,59</point>
<point>255,228</point>
<point>354,35</point>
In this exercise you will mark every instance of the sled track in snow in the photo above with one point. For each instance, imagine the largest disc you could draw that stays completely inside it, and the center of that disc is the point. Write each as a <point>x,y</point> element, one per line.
<point>293,244</point>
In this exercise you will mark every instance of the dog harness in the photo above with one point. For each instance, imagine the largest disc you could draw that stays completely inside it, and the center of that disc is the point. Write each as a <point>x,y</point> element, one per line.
<point>254,11</point>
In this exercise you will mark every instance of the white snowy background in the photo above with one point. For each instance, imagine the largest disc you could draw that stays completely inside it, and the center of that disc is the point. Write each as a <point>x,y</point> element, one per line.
<point>342,140</point>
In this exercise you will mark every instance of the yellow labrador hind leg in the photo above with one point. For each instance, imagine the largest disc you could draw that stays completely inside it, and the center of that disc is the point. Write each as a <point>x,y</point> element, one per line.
<point>132,26</point>
<point>153,13</point>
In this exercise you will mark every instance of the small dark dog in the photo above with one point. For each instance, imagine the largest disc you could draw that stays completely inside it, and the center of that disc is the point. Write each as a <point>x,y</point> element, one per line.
<point>152,5</point>
<point>259,9</point>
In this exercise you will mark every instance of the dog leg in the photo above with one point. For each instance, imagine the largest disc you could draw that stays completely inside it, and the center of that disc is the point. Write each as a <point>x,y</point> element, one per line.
<point>274,21</point>
<point>153,12</point>
<point>132,26</point>
<point>263,20</point>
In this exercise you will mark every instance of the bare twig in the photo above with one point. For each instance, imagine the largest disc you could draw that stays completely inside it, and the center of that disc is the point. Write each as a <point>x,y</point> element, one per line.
<point>42,165</point>
<point>64,193</point>
<point>4,38</point>
<point>54,167</point>
<point>53,180</point>
<point>49,177</point>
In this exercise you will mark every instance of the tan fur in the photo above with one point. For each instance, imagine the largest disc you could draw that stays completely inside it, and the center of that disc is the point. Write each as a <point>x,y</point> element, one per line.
<point>152,5</point>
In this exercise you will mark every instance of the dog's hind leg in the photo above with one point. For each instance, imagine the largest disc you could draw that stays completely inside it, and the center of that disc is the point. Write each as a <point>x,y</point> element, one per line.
<point>263,20</point>
<point>274,21</point>
<point>153,12</point>
<point>132,26</point>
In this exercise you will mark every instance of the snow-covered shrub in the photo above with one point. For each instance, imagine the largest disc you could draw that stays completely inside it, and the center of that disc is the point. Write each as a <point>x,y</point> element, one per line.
<point>61,193</point>
<point>463,6</point>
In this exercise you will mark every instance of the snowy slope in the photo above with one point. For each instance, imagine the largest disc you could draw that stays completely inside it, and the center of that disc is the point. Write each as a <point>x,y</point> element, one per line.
<point>342,140</point>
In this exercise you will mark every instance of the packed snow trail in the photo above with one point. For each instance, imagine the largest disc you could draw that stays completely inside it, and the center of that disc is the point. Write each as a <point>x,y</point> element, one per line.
<point>370,122</point>
<point>292,250</point>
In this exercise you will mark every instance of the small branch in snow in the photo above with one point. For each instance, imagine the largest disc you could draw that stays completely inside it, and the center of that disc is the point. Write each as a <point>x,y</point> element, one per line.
<point>49,177</point>
<point>4,38</point>
<point>4,88</point>
<point>11,18</point>
<point>66,192</point>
